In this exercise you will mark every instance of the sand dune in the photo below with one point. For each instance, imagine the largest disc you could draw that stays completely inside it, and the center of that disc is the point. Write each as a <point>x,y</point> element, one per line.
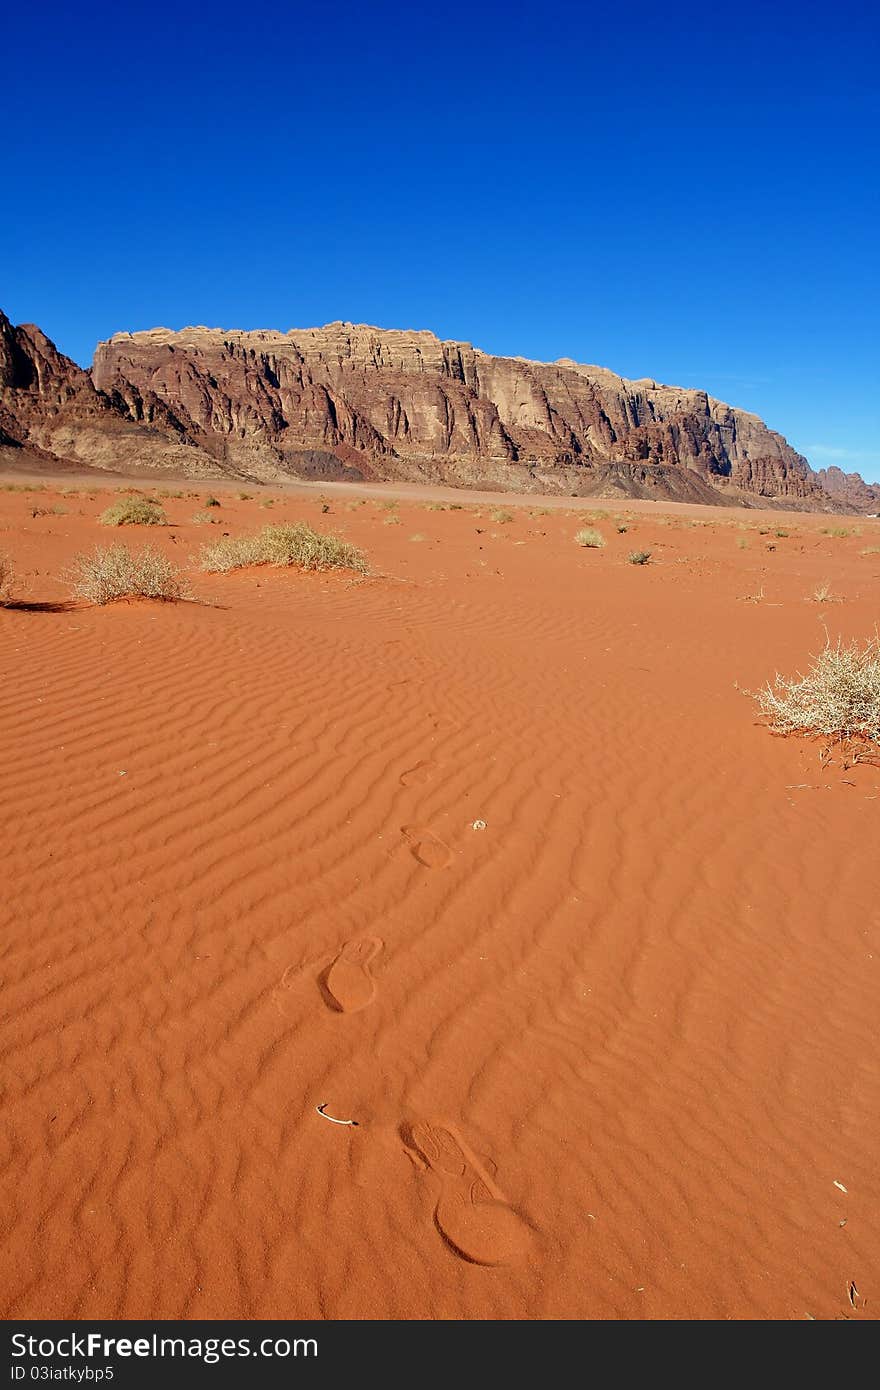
<point>610,1053</point>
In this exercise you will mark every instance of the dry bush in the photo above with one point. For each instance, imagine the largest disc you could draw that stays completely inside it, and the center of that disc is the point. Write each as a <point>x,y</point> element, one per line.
<point>838,697</point>
<point>501,517</point>
<point>594,540</point>
<point>295,544</point>
<point>204,519</point>
<point>639,557</point>
<point>7,579</point>
<point>114,572</point>
<point>822,594</point>
<point>134,511</point>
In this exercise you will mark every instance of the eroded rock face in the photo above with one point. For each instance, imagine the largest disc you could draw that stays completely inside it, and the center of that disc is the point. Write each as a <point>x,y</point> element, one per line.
<point>405,405</point>
<point>50,409</point>
<point>851,488</point>
<point>352,402</point>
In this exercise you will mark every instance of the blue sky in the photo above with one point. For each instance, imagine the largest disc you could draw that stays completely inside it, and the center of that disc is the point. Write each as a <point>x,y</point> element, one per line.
<point>687,192</point>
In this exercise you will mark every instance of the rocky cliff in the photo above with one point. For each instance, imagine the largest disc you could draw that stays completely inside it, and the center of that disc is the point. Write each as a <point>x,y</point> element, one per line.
<point>51,412</point>
<point>349,401</point>
<point>387,404</point>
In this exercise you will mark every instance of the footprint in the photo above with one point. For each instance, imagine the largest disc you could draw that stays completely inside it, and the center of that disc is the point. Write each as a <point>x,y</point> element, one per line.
<point>471,1215</point>
<point>426,848</point>
<point>418,775</point>
<point>348,982</point>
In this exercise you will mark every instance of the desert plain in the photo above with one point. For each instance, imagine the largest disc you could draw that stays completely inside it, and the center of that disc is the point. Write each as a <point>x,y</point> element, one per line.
<point>487,850</point>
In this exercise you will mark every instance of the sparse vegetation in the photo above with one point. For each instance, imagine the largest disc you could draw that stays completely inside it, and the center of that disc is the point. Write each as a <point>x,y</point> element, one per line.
<point>245,496</point>
<point>870,550</point>
<point>593,540</point>
<point>822,593</point>
<point>417,537</point>
<point>783,535</point>
<point>7,580</point>
<point>622,528</point>
<point>840,532</point>
<point>211,502</point>
<point>134,511</point>
<point>204,519</point>
<point>501,517</point>
<point>838,697</point>
<point>295,544</point>
<point>639,557</point>
<point>56,510</point>
<point>115,572</point>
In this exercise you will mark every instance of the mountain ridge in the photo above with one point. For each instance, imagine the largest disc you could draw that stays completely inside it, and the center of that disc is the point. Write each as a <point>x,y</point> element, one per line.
<point>351,401</point>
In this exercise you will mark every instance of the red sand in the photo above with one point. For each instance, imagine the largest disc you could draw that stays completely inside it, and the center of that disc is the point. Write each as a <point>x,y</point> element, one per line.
<point>611,1056</point>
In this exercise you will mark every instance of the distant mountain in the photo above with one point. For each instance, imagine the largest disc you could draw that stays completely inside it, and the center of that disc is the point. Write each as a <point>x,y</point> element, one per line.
<point>851,489</point>
<point>350,401</point>
<point>386,404</point>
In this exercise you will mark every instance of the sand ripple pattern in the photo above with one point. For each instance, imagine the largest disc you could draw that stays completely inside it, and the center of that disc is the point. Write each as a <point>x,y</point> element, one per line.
<point>642,999</point>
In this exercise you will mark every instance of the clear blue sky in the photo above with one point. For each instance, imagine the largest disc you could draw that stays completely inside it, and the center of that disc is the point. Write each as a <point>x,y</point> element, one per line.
<point>685,192</point>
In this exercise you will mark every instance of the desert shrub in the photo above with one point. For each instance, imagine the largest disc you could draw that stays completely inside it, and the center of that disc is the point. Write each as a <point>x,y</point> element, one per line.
<point>417,537</point>
<point>295,544</point>
<point>115,572</point>
<point>211,502</point>
<point>391,520</point>
<point>822,593</point>
<point>622,528</point>
<point>7,580</point>
<point>839,696</point>
<point>594,540</point>
<point>204,519</point>
<point>501,517</point>
<point>245,496</point>
<point>783,535</point>
<point>134,511</point>
<point>55,510</point>
<point>839,532</point>
<point>870,550</point>
<point>639,557</point>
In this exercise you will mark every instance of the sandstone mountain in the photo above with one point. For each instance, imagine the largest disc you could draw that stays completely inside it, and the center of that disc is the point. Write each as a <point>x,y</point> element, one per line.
<point>365,402</point>
<point>53,419</point>
<point>350,401</point>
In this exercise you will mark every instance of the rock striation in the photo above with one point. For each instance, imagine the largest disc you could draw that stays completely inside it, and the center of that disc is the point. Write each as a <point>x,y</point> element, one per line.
<point>348,401</point>
<point>405,405</point>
